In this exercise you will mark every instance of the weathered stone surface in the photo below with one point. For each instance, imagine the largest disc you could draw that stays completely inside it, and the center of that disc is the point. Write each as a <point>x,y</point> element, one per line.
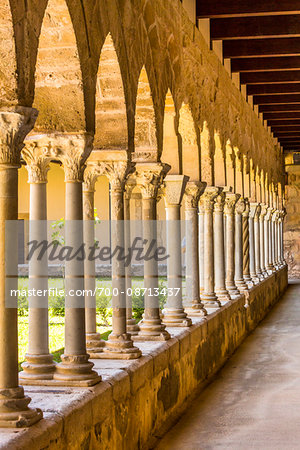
<point>141,397</point>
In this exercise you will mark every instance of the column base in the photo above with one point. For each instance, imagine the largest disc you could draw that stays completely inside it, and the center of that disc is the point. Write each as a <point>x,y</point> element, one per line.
<point>232,290</point>
<point>94,343</point>
<point>210,300</point>
<point>176,317</point>
<point>196,309</point>
<point>151,330</point>
<point>223,295</point>
<point>254,278</point>
<point>132,327</point>
<point>14,411</point>
<point>241,285</point>
<point>120,347</point>
<point>75,370</point>
<point>37,367</point>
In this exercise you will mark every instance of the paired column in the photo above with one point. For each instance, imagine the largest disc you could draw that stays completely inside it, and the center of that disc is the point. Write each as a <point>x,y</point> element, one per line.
<point>75,368</point>
<point>38,363</point>
<point>173,313</point>
<point>275,239</point>
<point>253,209</point>
<point>257,243</point>
<point>246,245</point>
<point>14,410</point>
<point>94,343</point>
<point>208,295</point>
<point>240,208</point>
<point>193,305</point>
<point>132,326</point>
<point>219,255</point>
<point>119,344</point>
<point>229,210</point>
<point>149,178</point>
<point>268,238</point>
<point>262,217</point>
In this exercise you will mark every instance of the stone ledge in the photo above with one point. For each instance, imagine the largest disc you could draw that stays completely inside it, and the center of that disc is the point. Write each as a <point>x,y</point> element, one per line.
<point>138,400</point>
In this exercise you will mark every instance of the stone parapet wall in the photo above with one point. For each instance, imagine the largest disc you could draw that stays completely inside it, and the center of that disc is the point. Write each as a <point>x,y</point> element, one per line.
<point>139,400</point>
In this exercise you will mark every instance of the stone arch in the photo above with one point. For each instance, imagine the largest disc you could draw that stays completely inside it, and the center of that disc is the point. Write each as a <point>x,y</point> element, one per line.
<point>145,139</point>
<point>219,161</point>
<point>8,62</point>
<point>111,118</point>
<point>190,149</point>
<point>58,74</point>
<point>170,151</point>
<point>207,171</point>
<point>229,159</point>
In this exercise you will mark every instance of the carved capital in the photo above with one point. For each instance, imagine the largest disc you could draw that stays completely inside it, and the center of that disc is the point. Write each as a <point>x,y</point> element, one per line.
<point>240,206</point>
<point>220,202</point>
<point>174,187</point>
<point>14,127</point>
<point>258,211</point>
<point>37,164</point>
<point>208,197</point>
<point>90,177</point>
<point>263,212</point>
<point>230,202</point>
<point>149,178</point>
<point>270,211</point>
<point>193,191</point>
<point>129,186</point>
<point>72,151</point>
<point>253,209</point>
<point>247,209</point>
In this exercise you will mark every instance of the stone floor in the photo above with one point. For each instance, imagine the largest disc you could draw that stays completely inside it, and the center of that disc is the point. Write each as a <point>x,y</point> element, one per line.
<point>254,403</point>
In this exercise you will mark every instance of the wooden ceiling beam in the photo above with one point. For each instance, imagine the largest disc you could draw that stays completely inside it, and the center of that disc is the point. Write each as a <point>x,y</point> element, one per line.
<point>286,123</point>
<point>277,99</point>
<point>284,116</point>
<point>255,27</point>
<point>224,8</point>
<point>261,47</point>
<point>290,76</point>
<point>265,64</point>
<point>290,107</point>
<point>277,88</point>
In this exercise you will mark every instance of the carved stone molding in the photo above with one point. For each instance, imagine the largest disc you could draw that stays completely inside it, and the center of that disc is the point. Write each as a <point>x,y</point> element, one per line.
<point>174,187</point>
<point>14,127</point>
<point>208,197</point>
<point>37,164</point>
<point>193,191</point>
<point>230,202</point>
<point>219,202</point>
<point>71,150</point>
<point>149,178</point>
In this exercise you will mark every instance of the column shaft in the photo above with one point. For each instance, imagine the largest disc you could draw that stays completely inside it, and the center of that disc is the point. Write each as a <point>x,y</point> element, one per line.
<point>229,209</point>
<point>239,278</point>
<point>219,256</point>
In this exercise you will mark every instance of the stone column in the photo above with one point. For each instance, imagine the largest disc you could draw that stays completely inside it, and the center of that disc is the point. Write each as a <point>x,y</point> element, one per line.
<point>14,410</point>
<point>219,255</point>
<point>194,306</point>
<point>262,239</point>
<point>253,208</point>
<point>132,326</point>
<point>173,313</point>
<point>275,226</point>
<point>75,368</point>
<point>246,256</point>
<point>257,243</point>
<point>208,295</point>
<point>149,178</point>
<point>240,208</point>
<point>94,343</point>
<point>39,362</point>
<point>119,344</point>
<point>268,234</point>
<point>201,246</point>
<point>229,210</point>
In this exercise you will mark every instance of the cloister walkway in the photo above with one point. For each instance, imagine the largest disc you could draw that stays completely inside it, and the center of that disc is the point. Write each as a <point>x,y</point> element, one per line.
<point>255,400</point>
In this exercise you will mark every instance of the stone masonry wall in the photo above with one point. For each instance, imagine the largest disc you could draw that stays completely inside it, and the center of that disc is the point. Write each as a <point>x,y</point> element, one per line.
<point>292,221</point>
<point>138,400</point>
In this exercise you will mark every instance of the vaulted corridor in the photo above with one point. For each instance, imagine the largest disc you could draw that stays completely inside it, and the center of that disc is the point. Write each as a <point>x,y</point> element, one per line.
<point>254,401</point>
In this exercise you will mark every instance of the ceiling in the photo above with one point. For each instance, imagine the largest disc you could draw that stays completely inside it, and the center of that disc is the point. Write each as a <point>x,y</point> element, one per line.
<point>262,40</point>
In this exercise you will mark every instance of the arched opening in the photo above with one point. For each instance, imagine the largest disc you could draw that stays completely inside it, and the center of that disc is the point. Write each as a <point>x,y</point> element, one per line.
<point>58,90</point>
<point>190,149</point>
<point>145,139</point>
<point>111,118</point>
<point>8,63</point>
<point>170,153</point>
